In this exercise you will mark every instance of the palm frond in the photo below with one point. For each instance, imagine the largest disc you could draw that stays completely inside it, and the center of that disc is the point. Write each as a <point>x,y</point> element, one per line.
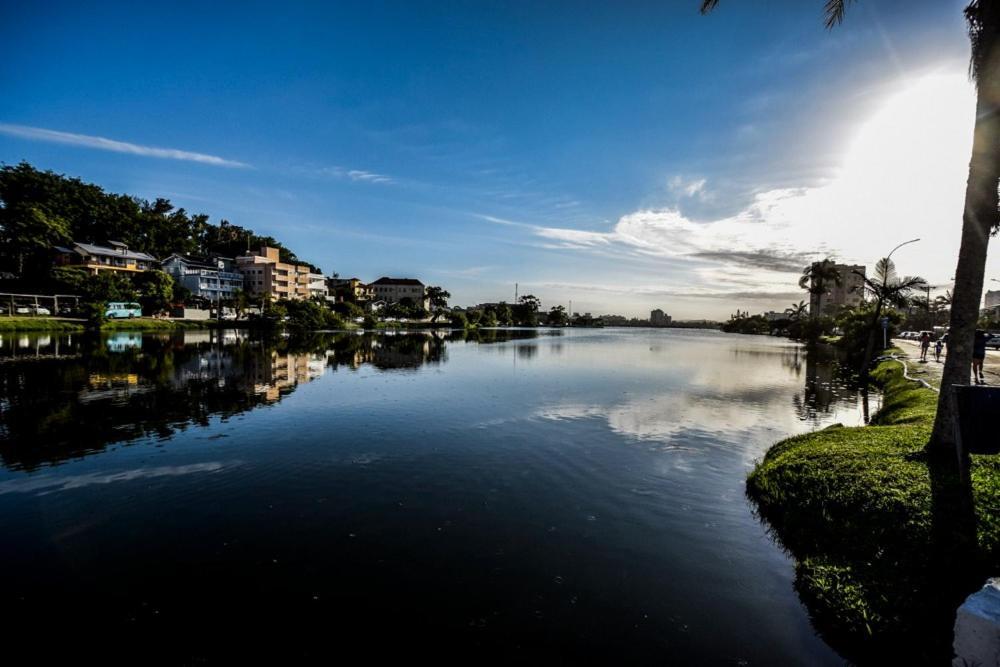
<point>835,10</point>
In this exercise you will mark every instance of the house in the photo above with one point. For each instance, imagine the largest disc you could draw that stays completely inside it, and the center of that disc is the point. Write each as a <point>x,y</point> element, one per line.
<point>316,285</point>
<point>394,290</point>
<point>212,279</point>
<point>265,274</point>
<point>96,258</point>
<point>351,290</point>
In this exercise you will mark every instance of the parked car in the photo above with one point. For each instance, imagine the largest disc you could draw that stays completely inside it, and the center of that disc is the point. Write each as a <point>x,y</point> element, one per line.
<point>993,340</point>
<point>119,310</point>
<point>32,310</point>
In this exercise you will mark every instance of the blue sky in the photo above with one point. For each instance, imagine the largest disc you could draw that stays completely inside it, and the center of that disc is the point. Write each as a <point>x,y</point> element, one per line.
<point>625,155</point>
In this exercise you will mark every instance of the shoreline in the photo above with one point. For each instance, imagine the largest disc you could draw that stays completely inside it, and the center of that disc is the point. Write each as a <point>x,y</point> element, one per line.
<point>872,524</point>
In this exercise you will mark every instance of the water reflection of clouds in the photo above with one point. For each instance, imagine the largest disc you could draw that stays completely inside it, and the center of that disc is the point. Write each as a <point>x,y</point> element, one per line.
<point>46,484</point>
<point>742,405</point>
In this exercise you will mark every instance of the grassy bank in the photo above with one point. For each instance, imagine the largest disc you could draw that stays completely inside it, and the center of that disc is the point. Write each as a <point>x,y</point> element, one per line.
<point>52,324</point>
<point>878,529</point>
<point>150,324</point>
<point>25,324</point>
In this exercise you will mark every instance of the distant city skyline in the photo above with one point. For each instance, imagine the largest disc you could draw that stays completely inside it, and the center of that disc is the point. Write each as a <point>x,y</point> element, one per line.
<point>624,158</point>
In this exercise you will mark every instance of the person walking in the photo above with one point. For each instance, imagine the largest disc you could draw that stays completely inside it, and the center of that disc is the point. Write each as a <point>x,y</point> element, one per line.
<point>938,348</point>
<point>925,343</point>
<point>978,356</point>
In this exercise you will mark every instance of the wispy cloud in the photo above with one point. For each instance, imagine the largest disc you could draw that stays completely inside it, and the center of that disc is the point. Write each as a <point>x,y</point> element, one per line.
<point>667,292</point>
<point>356,175</point>
<point>694,187</point>
<point>104,144</point>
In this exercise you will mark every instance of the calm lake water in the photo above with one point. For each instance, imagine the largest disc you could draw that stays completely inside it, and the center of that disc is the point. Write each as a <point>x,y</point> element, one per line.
<point>572,494</point>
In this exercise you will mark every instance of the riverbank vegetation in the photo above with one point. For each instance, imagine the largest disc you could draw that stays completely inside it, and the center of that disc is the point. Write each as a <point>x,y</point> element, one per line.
<point>45,324</point>
<point>884,538</point>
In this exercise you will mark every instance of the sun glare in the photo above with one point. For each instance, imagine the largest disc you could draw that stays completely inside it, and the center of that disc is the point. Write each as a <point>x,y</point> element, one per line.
<point>903,176</point>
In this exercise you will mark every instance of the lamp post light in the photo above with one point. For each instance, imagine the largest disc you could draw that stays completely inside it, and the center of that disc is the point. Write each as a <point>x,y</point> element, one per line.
<point>878,311</point>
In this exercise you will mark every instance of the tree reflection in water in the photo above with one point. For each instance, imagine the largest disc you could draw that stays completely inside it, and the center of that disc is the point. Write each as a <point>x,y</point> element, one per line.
<point>827,382</point>
<point>68,396</point>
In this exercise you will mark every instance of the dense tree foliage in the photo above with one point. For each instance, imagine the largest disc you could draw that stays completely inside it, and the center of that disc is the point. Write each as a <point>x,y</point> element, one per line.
<point>42,209</point>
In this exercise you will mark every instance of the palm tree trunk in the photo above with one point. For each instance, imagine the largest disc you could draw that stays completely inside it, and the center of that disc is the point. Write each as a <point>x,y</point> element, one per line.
<point>980,216</point>
<point>866,362</point>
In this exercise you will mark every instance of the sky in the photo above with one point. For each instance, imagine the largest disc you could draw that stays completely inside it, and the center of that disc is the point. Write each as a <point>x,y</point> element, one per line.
<point>620,155</point>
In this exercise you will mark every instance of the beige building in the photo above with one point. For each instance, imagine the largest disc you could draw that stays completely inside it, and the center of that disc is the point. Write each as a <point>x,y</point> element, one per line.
<point>849,293</point>
<point>264,273</point>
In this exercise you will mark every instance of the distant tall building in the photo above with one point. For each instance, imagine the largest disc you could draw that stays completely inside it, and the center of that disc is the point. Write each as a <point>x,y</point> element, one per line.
<point>993,298</point>
<point>849,293</point>
<point>658,318</point>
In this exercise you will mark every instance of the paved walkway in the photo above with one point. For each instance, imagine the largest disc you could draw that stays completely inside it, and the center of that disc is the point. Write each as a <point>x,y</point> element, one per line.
<point>931,371</point>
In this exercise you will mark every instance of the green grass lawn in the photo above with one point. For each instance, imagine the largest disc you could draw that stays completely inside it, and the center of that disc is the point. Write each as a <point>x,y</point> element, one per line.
<point>38,324</point>
<point>876,527</point>
<point>52,324</point>
<point>152,324</point>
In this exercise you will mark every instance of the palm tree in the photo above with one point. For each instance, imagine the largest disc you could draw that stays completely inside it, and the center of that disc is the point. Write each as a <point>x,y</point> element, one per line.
<point>797,311</point>
<point>981,214</point>
<point>886,289</point>
<point>817,279</point>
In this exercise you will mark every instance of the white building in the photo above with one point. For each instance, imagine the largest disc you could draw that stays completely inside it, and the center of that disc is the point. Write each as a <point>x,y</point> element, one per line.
<point>211,279</point>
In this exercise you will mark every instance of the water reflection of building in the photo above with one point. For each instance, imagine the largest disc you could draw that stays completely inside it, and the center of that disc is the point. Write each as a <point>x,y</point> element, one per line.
<point>100,391</point>
<point>114,387</point>
<point>274,374</point>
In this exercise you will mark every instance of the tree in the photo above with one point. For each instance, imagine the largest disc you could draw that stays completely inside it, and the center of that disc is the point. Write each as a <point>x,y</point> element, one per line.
<point>525,311</point>
<point>156,291</point>
<point>981,213</point>
<point>502,314</point>
<point>438,299</point>
<point>797,311</point>
<point>98,289</point>
<point>817,279</point>
<point>28,232</point>
<point>557,316</point>
<point>886,289</point>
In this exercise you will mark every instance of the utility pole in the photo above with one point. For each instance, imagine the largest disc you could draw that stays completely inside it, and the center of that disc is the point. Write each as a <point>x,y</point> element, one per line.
<point>515,292</point>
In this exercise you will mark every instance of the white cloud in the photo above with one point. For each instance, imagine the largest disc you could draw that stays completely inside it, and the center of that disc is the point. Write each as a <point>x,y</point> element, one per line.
<point>903,177</point>
<point>356,175</point>
<point>101,143</point>
<point>688,188</point>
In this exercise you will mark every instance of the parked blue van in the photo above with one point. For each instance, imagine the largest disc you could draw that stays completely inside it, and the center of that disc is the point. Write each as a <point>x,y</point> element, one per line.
<point>119,310</point>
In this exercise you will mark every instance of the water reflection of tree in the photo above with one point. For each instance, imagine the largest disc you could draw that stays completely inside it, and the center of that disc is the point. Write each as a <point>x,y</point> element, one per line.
<point>58,407</point>
<point>827,382</point>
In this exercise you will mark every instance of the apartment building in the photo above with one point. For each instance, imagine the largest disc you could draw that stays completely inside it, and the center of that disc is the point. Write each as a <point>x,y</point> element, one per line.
<point>658,318</point>
<point>849,293</point>
<point>96,258</point>
<point>213,279</point>
<point>265,274</point>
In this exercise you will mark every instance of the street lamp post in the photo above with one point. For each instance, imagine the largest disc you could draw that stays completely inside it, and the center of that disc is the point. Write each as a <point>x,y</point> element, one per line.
<point>878,312</point>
